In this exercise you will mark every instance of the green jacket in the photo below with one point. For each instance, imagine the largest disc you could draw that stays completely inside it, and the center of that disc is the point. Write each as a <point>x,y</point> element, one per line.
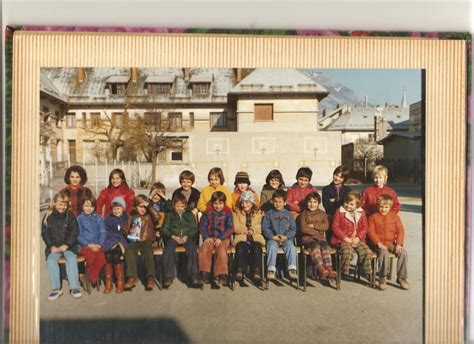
<point>184,225</point>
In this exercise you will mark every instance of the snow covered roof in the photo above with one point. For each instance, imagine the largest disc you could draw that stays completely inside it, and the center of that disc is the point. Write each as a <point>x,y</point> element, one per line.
<point>266,80</point>
<point>362,119</point>
<point>408,134</point>
<point>94,89</point>
<point>202,77</point>
<point>49,88</point>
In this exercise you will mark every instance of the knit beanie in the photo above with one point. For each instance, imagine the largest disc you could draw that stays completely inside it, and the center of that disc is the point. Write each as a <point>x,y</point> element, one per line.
<point>118,201</point>
<point>242,177</point>
<point>247,196</point>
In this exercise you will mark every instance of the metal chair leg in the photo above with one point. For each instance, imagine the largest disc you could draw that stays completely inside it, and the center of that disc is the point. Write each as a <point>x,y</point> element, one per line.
<point>338,268</point>
<point>305,261</point>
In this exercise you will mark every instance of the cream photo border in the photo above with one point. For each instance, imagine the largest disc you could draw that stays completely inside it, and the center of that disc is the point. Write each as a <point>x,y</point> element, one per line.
<point>443,60</point>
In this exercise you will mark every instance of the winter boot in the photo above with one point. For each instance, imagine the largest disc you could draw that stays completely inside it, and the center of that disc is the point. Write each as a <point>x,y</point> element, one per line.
<point>108,278</point>
<point>120,278</point>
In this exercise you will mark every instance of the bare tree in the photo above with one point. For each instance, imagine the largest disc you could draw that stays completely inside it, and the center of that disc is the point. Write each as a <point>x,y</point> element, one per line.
<point>367,153</point>
<point>152,135</point>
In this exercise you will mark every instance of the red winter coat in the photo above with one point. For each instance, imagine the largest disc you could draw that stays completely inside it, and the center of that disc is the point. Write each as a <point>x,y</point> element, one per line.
<point>386,229</point>
<point>369,199</point>
<point>108,194</point>
<point>295,193</point>
<point>344,226</point>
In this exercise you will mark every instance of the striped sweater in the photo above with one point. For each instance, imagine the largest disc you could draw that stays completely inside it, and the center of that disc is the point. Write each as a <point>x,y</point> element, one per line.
<point>216,224</point>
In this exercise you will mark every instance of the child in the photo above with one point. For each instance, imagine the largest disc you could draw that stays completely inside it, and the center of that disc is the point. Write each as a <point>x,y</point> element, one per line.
<point>313,224</point>
<point>180,228</point>
<point>248,239</point>
<point>139,230</point>
<point>370,194</point>
<point>117,187</point>
<point>349,230</point>
<point>115,245</point>
<point>59,231</point>
<point>274,181</point>
<point>334,193</point>
<point>91,237</point>
<point>386,233</point>
<point>75,178</point>
<point>242,183</point>
<point>216,183</point>
<point>299,190</point>
<point>158,198</point>
<point>216,228</point>
<point>187,179</point>
<point>279,228</point>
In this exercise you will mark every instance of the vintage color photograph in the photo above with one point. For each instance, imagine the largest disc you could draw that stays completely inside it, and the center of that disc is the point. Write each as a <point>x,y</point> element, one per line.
<point>174,201</point>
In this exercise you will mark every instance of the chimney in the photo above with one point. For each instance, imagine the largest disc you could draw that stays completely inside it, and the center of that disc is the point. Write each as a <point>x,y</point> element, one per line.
<point>324,113</point>
<point>80,75</point>
<point>239,74</point>
<point>366,101</point>
<point>134,74</point>
<point>404,103</point>
<point>187,73</point>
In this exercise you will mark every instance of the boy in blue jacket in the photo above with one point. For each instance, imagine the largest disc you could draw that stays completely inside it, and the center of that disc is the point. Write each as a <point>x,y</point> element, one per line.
<point>279,228</point>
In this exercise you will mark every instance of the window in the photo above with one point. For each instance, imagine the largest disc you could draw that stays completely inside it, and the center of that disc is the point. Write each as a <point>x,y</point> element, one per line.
<point>371,137</point>
<point>104,151</point>
<point>117,119</point>
<point>264,112</point>
<point>153,119</point>
<point>118,89</point>
<point>95,120</point>
<point>176,156</point>
<point>175,120</point>
<point>201,89</point>
<point>163,89</point>
<point>45,109</point>
<point>191,119</point>
<point>84,120</point>
<point>72,151</point>
<point>88,149</point>
<point>71,120</point>
<point>218,119</point>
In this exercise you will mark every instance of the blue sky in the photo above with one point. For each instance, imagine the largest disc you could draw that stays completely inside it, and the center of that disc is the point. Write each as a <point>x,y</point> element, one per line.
<point>380,85</point>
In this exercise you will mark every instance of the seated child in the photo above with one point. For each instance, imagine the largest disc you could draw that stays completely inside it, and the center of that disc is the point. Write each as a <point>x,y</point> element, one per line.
<point>91,237</point>
<point>115,245</point>
<point>158,198</point>
<point>279,228</point>
<point>299,190</point>
<point>216,228</point>
<point>370,194</point>
<point>242,183</point>
<point>180,228</point>
<point>248,240</point>
<point>386,233</point>
<point>313,224</point>
<point>274,181</point>
<point>187,179</point>
<point>334,193</point>
<point>139,230</point>
<point>349,228</point>
<point>216,183</point>
<point>59,232</point>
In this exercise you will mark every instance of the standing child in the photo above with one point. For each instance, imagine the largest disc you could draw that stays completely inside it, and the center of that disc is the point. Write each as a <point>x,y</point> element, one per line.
<point>386,233</point>
<point>187,179</point>
<point>75,178</point>
<point>59,231</point>
<point>91,238</point>
<point>299,190</point>
<point>279,228</point>
<point>180,228</point>
<point>117,187</point>
<point>349,231</point>
<point>216,183</point>
<point>115,245</point>
<point>139,230</point>
<point>216,228</point>
<point>248,240</point>
<point>334,193</point>
<point>158,198</point>
<point>313,224</point>
<point>274,181</point>
<point>370,194</point>
<point>242,183</point>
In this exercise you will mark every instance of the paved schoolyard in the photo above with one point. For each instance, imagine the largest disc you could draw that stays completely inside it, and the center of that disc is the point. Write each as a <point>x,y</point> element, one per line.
<point>282,314</point>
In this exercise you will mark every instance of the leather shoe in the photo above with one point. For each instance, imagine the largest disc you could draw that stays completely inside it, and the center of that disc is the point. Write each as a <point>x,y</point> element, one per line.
<point>130,284</point>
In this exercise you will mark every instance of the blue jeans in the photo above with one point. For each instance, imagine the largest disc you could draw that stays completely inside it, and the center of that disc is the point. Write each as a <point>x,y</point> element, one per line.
<point>71,269</point>
<point>272,251</point>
